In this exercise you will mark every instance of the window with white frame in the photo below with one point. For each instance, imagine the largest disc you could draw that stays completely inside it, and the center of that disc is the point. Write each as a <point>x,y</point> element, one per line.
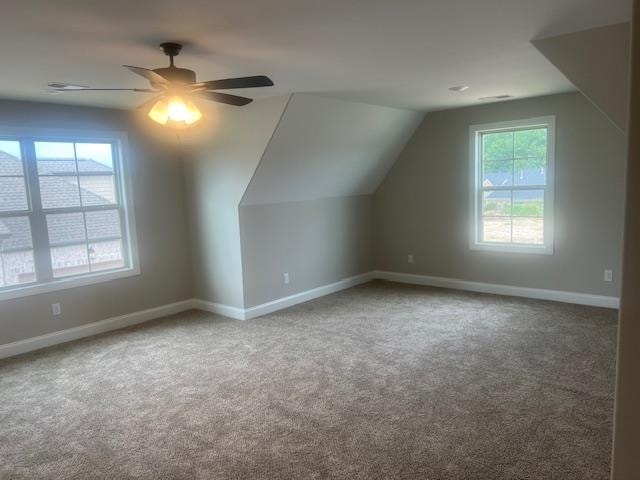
<point>512,166</point>
<point>64,216</point>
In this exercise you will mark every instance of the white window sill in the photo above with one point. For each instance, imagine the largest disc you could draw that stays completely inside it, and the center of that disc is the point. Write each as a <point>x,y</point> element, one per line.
<point>510,248</point>
<point>68,283</point>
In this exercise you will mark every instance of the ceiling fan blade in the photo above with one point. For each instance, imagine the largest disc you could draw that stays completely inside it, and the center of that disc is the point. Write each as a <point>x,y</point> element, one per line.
<point>73,87</point>
<point>143,90</point>
<point>66,86</point>
<point>242,82</point>
<point>150,75</point>
<point>224,98</point>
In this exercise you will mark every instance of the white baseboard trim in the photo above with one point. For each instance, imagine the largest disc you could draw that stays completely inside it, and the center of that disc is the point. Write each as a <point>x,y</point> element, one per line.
<point>538,293</point>
<point>114,323</point>
<point>101,326</point>
<point>279,304</point>
<point>219,309</point>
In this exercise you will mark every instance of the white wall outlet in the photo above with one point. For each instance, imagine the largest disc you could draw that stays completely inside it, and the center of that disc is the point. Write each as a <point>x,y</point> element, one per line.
<point>608,275</point>
<point>410,258</point>
<point>55,309</point>
<point>286,278</point>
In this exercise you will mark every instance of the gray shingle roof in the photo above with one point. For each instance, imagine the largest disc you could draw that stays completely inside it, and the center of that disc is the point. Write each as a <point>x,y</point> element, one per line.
<point>66,228</point>
<point>69,227</point>
<point>4,231</point>
<point>19,233</point>
<point>56,192</point>
<point>10,165</point>
<point>61,192</point>
<point>13,194</point>
<point>51,166</point>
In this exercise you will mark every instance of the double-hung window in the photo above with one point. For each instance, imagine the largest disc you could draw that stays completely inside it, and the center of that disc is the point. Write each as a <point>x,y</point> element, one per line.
<point>512,169</point>
<point>65,213</point>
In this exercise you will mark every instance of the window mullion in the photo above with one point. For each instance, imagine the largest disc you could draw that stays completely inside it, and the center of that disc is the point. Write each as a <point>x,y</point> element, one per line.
<point>39,234</point>
<point>84,216</point>
<point>511,219</point>
<point>510,188</point>
<point>479,165</point>
<point>124,236</point>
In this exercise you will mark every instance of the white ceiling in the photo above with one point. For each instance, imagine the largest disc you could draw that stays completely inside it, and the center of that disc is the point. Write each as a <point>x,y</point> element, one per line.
<point>402,53</point>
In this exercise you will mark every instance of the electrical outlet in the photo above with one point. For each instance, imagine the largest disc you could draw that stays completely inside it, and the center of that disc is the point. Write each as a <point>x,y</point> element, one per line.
<point>55,309</point>
<point>608,275</point>
<point>286,278</point>
<point>410,258</point>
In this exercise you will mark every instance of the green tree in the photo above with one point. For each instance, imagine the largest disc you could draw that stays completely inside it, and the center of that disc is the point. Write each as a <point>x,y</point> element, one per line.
<point>529,147</point>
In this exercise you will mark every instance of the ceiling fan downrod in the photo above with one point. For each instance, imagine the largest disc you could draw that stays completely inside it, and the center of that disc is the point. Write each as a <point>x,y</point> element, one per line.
<point>171,49</point>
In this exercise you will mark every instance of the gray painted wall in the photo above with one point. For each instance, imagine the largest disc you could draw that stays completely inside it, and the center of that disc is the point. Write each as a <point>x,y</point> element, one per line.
<point>240,251</point>
<point>218,175</point>
<point>625,462</point>
<point>317,242</point>
<point>308,209</point>
<point>422,207</point>
<point>158,190</point>
<point>326,148</point>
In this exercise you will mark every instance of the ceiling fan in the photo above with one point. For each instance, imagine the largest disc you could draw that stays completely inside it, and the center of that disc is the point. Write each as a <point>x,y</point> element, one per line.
<point>176,86</point>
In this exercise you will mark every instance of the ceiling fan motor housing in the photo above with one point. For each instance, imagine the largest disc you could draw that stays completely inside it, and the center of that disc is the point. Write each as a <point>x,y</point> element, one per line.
<point>177,75</point>
<point>173,73</point>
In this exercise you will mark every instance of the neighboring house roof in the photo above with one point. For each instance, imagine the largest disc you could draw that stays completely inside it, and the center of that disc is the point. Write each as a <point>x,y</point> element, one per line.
<point>59,192</point>
<point>86,166</point>
<point>19,233</point>
<point>4,231</point>
<point>12,189</point>
<point>10,165</point>
<point>533,176</point>
<point>96,188</point>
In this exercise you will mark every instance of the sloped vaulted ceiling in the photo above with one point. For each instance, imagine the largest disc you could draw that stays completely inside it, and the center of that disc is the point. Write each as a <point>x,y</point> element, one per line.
<point>596,61</point>
<point>326,148</point>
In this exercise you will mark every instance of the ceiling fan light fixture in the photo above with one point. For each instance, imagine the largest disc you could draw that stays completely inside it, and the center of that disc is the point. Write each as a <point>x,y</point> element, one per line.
<point>175,111</point>
<point>159,113</point>
<point>176,85</point>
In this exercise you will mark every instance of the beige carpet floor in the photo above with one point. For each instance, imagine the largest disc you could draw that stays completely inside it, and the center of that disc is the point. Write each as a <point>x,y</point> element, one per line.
<point>382,381</point>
